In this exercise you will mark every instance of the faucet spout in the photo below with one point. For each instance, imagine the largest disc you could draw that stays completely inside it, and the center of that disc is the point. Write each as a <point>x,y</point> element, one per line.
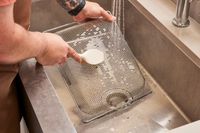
<point>182,13</point>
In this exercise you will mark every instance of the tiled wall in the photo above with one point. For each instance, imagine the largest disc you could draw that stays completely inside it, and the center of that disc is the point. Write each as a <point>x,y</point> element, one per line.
<point>194,9</point>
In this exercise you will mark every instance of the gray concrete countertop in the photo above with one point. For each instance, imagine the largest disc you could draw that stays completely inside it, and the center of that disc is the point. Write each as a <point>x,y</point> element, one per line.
<point>42,101</point>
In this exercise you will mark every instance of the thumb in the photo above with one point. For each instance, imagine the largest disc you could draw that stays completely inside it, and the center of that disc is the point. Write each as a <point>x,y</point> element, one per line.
<point>107,16</point>
<point>73,54</point>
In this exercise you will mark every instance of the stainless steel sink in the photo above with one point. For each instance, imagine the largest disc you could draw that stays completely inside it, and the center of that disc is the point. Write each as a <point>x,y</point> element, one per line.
<point>110,86</point>
<point>157,57</point>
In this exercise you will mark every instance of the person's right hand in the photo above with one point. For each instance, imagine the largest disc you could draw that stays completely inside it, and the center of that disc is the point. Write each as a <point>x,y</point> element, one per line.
<point>56,51</point>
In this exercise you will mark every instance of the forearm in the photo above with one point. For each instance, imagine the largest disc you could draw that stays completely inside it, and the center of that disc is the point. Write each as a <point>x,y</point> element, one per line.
<point>19,44</point>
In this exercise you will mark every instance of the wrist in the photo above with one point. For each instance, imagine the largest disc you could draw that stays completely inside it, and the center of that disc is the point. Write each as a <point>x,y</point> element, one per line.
<point>41,45</point>
<point>72,6</point>
<point>78,9</point>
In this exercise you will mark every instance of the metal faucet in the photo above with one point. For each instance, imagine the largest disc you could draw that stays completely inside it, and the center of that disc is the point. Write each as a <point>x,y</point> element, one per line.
<point>182,13</point>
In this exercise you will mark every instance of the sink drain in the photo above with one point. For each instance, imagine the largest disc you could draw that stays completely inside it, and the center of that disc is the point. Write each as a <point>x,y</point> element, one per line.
<point>117,98</point>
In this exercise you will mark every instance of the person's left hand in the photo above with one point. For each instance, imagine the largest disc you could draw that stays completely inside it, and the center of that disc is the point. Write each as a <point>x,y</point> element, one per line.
<point>93,10</point>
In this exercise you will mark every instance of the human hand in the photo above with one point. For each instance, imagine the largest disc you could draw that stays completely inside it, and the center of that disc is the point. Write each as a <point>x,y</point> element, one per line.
<point>56,51</point>
<point>93,10</point>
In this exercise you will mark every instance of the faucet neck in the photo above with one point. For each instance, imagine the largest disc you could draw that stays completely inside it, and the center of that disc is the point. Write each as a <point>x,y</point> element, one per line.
<point>182,13</point>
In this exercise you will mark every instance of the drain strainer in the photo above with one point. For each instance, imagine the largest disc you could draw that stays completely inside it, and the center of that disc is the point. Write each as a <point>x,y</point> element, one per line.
<point>117,98</point>
<point>97,90</point>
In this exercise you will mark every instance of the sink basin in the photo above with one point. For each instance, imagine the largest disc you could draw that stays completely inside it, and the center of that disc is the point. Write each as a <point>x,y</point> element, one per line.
<point>110,86</point>
<point>168,69</point>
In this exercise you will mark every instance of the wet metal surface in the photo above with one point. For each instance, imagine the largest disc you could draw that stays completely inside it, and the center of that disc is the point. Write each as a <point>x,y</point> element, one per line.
<point>156,109</point>
<point>171,55</point>
<point>110,86</point>
<point>44,112</point>
<point>152,114</point>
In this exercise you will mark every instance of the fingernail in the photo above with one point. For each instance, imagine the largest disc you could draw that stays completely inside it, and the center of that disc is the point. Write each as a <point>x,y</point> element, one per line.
<point>109,12</point>
<point>114,18</point>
